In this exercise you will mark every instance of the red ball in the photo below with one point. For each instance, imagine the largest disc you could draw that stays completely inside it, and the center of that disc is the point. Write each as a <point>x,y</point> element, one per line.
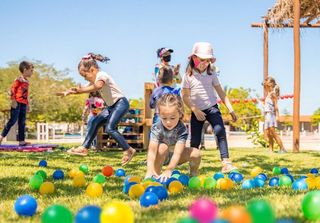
<point>107,171</point>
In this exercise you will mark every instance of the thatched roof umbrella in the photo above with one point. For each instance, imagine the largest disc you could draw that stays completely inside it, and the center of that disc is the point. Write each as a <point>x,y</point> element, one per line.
<point>294,14</point>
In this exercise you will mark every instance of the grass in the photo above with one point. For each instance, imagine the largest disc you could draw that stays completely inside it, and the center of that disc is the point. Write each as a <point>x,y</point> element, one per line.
<point>16,169</point>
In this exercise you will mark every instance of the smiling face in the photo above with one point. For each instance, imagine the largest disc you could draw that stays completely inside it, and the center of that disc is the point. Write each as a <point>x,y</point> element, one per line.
<point>169,116</point>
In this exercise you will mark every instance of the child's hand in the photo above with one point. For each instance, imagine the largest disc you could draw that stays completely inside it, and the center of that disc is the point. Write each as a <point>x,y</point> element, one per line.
<point>234,116</point>
<point>176,69</point>
<point>165,176</point>
<point>14,104</point>
<point>201,116</point>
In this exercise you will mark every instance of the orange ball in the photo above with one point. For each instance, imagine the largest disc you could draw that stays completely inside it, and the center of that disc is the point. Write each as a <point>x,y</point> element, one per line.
<point>72,173</point>
<point>107,171</point>
<point>225,184</point>
<point>94,190</point>
<point>136,191</point>
<point>46,188</point>
<point>236,214</point>
<point>175,187</point>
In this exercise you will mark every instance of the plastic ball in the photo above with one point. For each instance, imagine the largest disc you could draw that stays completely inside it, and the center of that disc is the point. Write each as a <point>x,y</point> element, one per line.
<point>99,178</point>
<point>175,187</point>
<point>120,173</point>
<point>224,184</point>
<point>236,214</point>
<point>276,170</point>
<point>79,181</point>
<point>168,182</point>
<point>94,190</point>
<point>175,172</point>
<point>43,163</point>
<point>300,185</point>
<point>126,187</point>
<point>35,182</point>
<point>148,199</point>
<point>187,220</point>
<point>291,177</point>
<point>136,191</point>
<point>84,168</point>
<point>314,171</point>
<point>25,205</point>
<point>162,193</point>
<point>261,211</point>
<point>220,221</point>
<point>184,179</point>
<point>116,211</point>
<point>72,173</point>
<point>237,177</point>
<point>194,183</point>
<point>262,176</point>
<point>284,170</point>
<point>46,188</point>
<point>274,182</point>
<point>285,220</point>
<point>258,182</point>
<point>210,183</point>
<point>42,173</point>
<point>203,210</point>
<point>57,214</point>
<point>256,171</point>
<point>247,184</point>
<point>87,214</point>
<point>218,175</point>
<point>175,176</point>
<point>310,205</point>
<point>134,179</point>
<point>58,175</point>
<point>285,181</point>
<point>151,189</point>
<point>107,171</point>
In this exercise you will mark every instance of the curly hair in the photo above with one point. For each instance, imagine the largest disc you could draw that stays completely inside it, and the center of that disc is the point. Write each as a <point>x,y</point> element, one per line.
<point>171,100</point>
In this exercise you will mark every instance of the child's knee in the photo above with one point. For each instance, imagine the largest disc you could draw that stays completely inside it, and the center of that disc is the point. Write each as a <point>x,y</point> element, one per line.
<point>195,154</point>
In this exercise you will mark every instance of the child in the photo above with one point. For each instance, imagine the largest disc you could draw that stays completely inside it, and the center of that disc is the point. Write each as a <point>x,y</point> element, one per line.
<point>271,112</point>
<point>94,105</point>
<point>19,103</point>
<point>117,103</point>
<point>168,140</point>
<point>165,80</point>
<point>165,57</point>
<point>198,90</point>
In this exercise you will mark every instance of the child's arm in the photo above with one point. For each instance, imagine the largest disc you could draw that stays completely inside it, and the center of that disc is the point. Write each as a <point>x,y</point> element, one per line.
<point>201,116</point>
<point>226,101</point>
<point>65,93</point>
<point>275,102</point>
<point>178,149</point>
<point>13,92</point>
<point>151,157</point>
<point>176,73</point>
<point>87,89</point>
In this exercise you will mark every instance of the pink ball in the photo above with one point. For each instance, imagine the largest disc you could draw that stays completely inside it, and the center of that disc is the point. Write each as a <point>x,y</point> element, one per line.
<point>204,210</point>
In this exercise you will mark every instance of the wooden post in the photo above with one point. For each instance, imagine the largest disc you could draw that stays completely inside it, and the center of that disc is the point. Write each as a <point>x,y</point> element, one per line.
<point>297,69</point>
<point>147,116</point>
<point>265,54</point>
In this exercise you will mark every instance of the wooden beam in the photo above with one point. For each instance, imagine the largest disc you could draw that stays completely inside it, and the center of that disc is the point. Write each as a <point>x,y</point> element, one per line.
<point>273,26</point>
<point>297,76</point>
<point>265,55</point>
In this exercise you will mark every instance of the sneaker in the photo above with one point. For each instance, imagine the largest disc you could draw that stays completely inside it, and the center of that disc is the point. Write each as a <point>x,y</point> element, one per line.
<point>282,151</point>
<point>227,166</point>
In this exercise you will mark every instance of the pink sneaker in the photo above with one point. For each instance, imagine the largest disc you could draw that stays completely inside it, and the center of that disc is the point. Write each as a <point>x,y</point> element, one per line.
<point>227,166</point>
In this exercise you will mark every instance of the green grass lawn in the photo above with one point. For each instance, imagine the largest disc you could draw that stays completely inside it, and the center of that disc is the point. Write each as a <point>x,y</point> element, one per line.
<point>17,168</point>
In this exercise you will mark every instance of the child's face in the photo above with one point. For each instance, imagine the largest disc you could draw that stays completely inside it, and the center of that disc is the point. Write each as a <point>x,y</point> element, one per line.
<point>169,116</point>
<point>200,64</point>
<point>28,72</point>
<point>89,75</point>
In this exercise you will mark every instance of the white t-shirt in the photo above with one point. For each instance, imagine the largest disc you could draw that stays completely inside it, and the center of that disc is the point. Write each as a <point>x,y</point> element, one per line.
<point>110,92</point>
<point>202,92</point>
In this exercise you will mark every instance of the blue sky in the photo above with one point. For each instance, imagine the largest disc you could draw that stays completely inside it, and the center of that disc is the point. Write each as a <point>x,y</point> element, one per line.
<point>130,31</point>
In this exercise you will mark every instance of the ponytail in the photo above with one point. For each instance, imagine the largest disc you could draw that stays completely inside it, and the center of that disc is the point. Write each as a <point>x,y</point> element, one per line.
<point>90,60</point>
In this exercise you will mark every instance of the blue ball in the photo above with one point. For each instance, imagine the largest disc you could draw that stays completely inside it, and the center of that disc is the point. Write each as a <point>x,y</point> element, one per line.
<point>274,182</point>
<point>184,179</point>
<point>237,177</point>
<point>300,185</point>
<point>88,213</point>
<point>258,182</point>
<point>220,221</point>
<point>262,176</point>
<point>285,220</point>
<point>314,171</point>
<point>152,189</point>
<point>120,173</point>
<point>148,199</point>
<point>218,175</point>
<point>126,187</point>
<point>162,193</point>
<point>230,175</point>
<point>175,172</point>
<point>167,183</point>
<point>43,163</point>
<point>58,175</point>
<point>284,170</point>
<point>25,205</point>
<point>247,184</point>
<point>291,177</point>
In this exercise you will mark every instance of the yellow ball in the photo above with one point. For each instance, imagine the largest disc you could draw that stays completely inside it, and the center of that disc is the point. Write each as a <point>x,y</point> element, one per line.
<point>202,179</point>
<point>94,190</point>
<point>312,183</point>
<point>136,191</point>
<point>318,182</point>
<point>225,184</point>
<point>116,211</point>
<point>175,187</point>
<point>79,181</point>
<point>78,173</point>
<point>72,173</point>
<point>46,188</point>
<point>256,171</point>
<point>134,179</point>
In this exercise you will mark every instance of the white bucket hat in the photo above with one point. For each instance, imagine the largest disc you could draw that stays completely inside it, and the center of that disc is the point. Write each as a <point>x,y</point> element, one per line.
<point>203,50</point>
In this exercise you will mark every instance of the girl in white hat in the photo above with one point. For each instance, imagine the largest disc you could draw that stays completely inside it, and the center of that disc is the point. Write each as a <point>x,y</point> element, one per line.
<point>199,87</point>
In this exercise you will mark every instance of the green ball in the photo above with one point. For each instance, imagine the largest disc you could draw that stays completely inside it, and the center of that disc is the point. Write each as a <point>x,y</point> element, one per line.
<point>285,181</point>
<point>42,173</point>
<point>261,211</point>
<point>276,170</point>
<point>176,175</point>
<point>187,220</point>
<point>99,178</point>
<point>84,168</point>
<point>194,183</point>
<point>310,205</point>
<point>210,183</point>
<point>35,182</point>
<point>148,180</point>
<point>57,214</point>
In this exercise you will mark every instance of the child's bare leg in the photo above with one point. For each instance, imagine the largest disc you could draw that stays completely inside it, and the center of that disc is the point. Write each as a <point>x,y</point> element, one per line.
<point>162,154</point>
<point>270,139</point>
<point>193,156</point>
<point>1,138</point>
<point>277,138</point>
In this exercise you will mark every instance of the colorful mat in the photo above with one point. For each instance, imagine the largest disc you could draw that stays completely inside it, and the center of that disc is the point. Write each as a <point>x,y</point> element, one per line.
<point>28,148</point>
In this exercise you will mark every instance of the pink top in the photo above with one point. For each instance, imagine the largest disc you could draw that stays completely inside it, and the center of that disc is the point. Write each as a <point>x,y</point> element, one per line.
<point>94,104</point>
